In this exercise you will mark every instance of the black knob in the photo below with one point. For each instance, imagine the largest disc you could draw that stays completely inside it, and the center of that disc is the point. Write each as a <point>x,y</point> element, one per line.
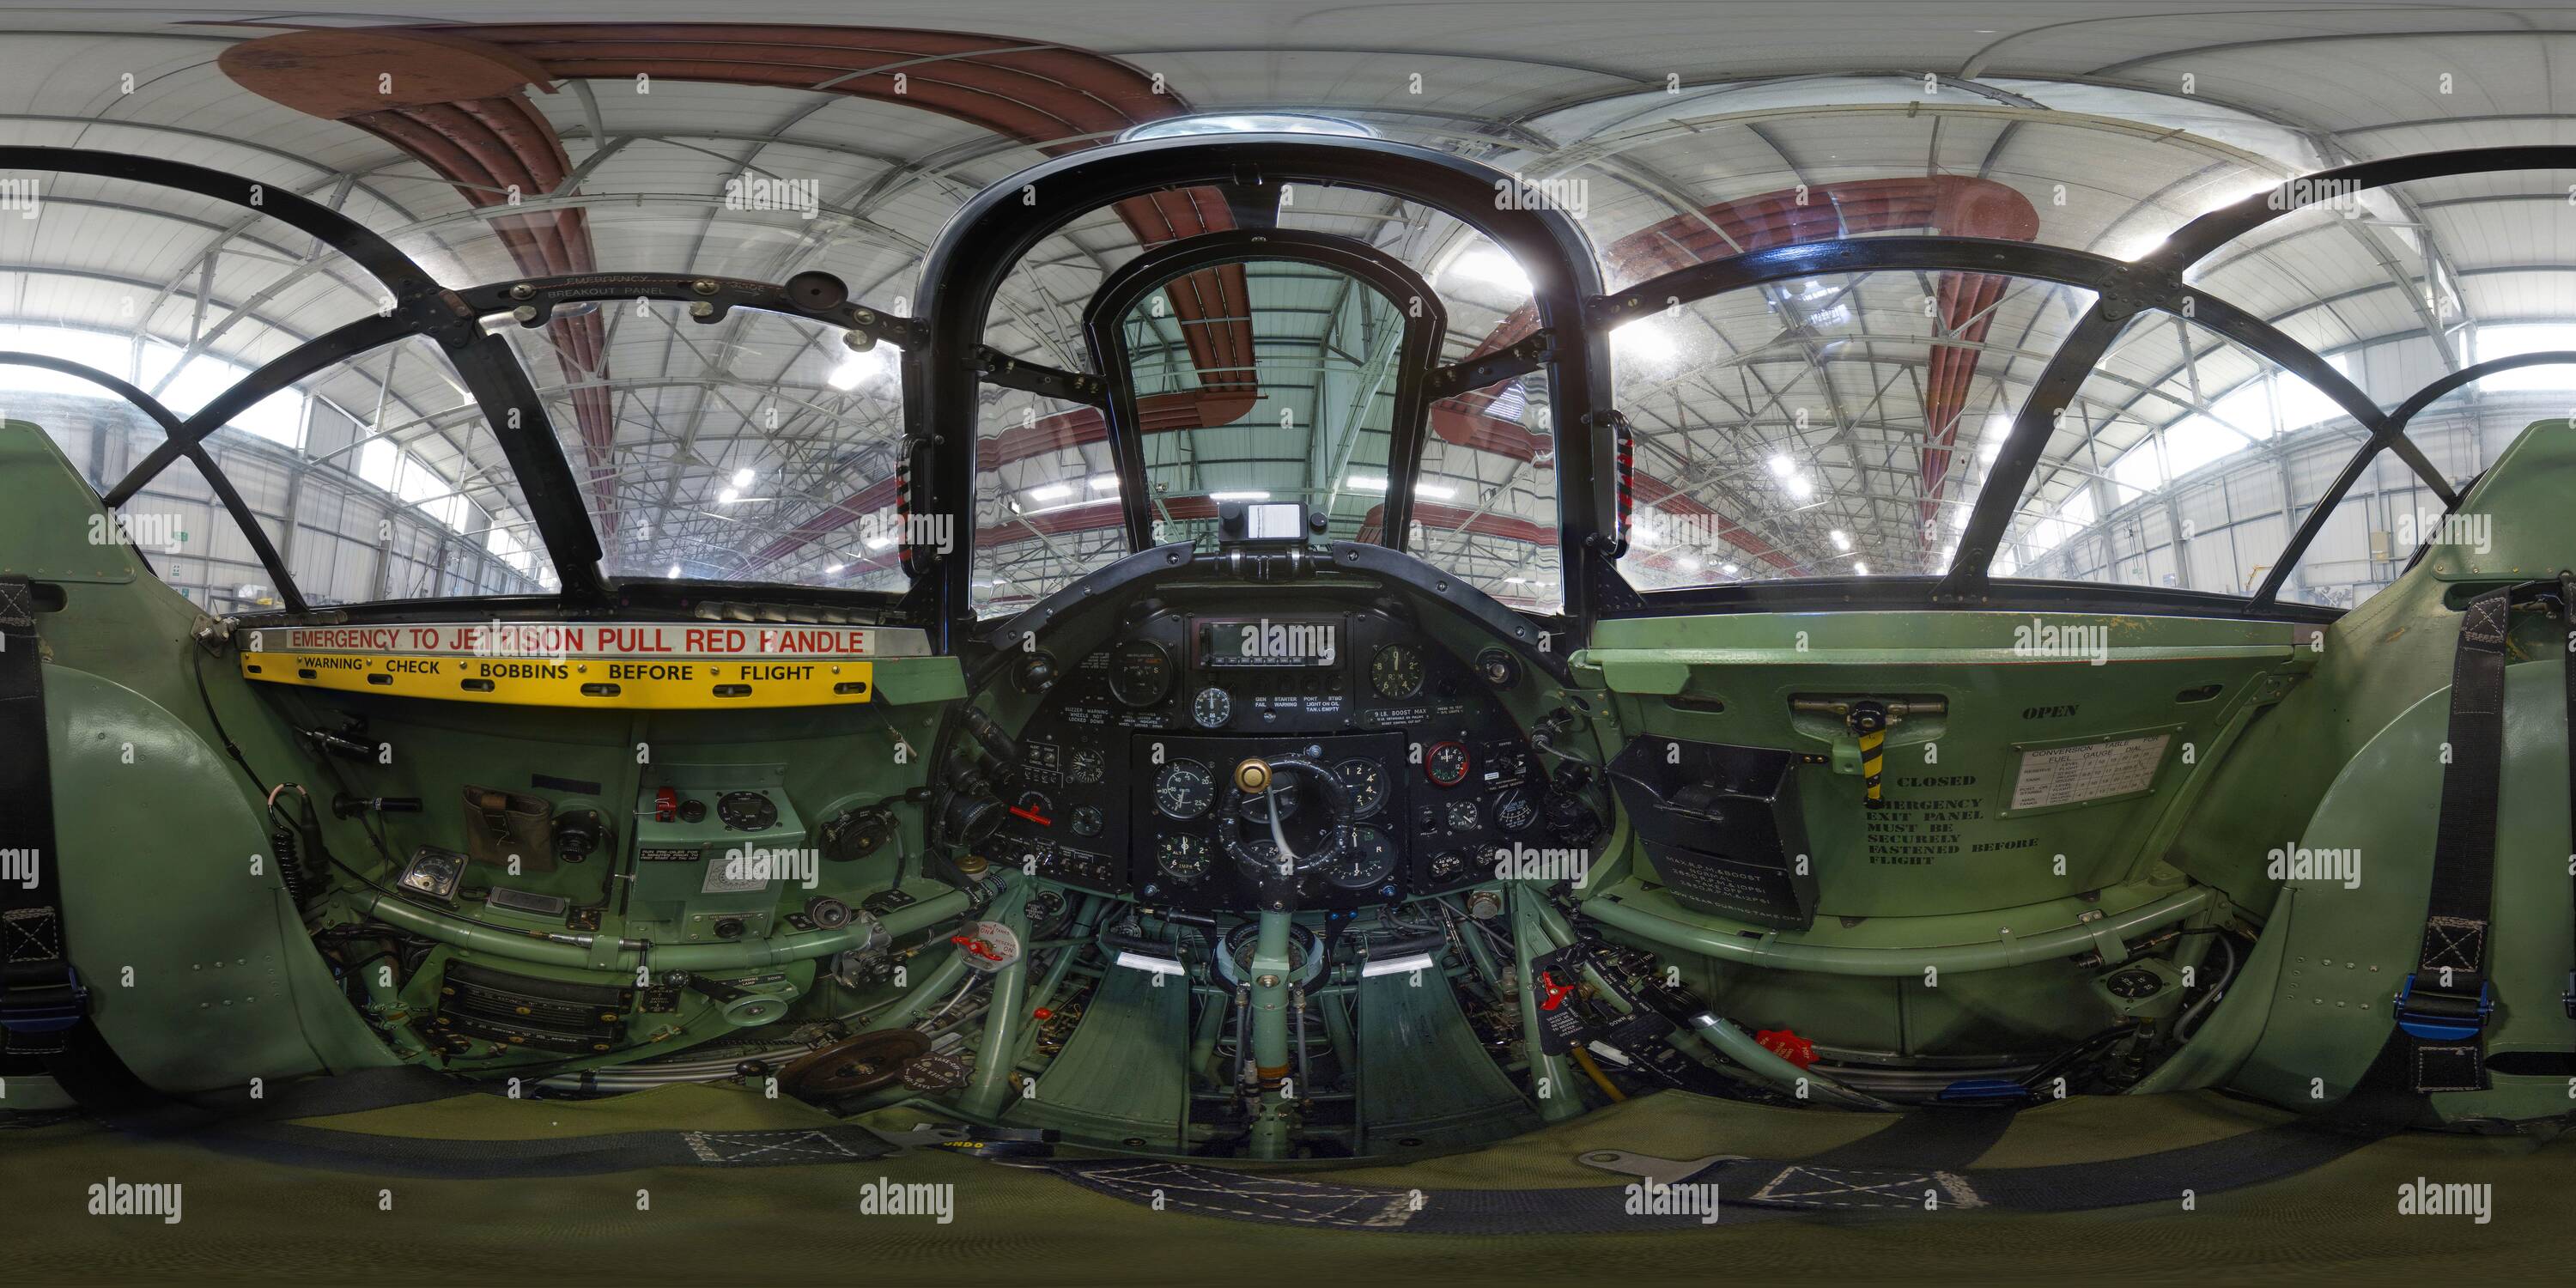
<point>1036,673</point>
<point>729,928</point>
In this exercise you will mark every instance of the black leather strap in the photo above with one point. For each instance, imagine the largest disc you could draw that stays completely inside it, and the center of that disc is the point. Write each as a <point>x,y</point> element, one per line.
<point>2438,1043</point>
<point>2567,616</point>
<point>41,999</point>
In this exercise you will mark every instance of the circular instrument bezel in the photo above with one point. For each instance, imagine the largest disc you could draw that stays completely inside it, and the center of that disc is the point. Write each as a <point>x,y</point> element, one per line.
<point>1367,800</point>
<point>1369,863</point>
<point>1206,791</point>
<point>1413,666</point>
<point>1431,763</point>
<point>1119,655</point>
<point>746,811</point>
<point>1199,706</point>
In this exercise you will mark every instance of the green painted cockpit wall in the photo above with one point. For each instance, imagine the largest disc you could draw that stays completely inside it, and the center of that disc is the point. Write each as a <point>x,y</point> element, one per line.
<point>200,976</point>
<point>1945,860</point>
<point>2357,751</point>
<point>824,760</point>
<point>1945,839</point>
<point>203,977</point>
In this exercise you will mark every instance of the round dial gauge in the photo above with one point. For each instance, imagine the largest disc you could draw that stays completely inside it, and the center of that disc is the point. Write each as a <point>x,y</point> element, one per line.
<point>1088,820</point>
<point>1396,671</point>
<point>1089,766</point>
<point>1371,863</point>
<point>746,811</point>
<point>1367,783</point>
<point>1460,816</point>
<point>1446,763</point>
<point>1140,673</point>
<point>1034,807</point>
<point>1184,789</point>
<point>1449,865</point>
<point>1515,809</point>
<point>1181,856</point>
<point>1498,667</point>
<point>1212,707</point>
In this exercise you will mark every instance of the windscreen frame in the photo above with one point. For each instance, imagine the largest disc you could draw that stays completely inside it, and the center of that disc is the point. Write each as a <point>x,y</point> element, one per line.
<point>1425,325</point>
<point>987,240</point>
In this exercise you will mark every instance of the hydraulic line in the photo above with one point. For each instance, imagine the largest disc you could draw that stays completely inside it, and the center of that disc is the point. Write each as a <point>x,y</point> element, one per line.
<point>1729,1040</point>
<point>1003,1015</point>
<point>1773,1068</point>
<point>1592,1069</point>
<point>577,950</point>
<point>1551,1075</point>
<point>2186,1026</point>
<point>2017,950</point>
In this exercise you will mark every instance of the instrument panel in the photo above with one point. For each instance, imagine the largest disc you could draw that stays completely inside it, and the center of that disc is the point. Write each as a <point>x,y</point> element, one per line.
<point>1127,766</point>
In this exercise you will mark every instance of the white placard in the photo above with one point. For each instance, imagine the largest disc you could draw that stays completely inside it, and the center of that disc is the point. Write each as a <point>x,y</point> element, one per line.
<point>2066,775</point>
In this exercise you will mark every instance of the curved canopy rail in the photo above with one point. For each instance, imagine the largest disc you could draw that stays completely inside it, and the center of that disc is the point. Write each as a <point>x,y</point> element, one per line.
<point>945,359</point>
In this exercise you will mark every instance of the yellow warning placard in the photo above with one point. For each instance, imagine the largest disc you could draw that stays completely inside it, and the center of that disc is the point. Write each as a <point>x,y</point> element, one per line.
<point>654,666</point>
<point>655,684</point>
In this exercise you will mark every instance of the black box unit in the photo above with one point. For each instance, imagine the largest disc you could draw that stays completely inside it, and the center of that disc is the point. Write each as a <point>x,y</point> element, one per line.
<point>477,1002</point>
<point>1723,826</point>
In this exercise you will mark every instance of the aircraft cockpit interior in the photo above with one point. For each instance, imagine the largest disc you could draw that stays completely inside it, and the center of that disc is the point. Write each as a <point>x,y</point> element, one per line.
<point>1118,643</point>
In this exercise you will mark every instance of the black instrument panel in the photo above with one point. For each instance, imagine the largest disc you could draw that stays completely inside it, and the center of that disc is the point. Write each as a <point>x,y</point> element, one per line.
<point>1128,758</point>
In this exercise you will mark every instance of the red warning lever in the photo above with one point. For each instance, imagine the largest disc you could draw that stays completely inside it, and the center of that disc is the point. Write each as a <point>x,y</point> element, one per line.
<point>1555,992</point>
<point>977,947</point>
<point>666,804</point>
<point>1787,1045</point>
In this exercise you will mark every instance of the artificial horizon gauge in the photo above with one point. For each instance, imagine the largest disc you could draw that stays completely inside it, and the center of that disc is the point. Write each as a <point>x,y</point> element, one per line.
<point>1498,667</point>
<point>1182,856</point>
<point>1256,809</point>
<point>1367,784</point>
<point>1140,673</point>
<point>1445,764</point>
<point>1396,671</point>
<point>1370,863</point>
<point>1184,789</point>
<point>1212,707</point>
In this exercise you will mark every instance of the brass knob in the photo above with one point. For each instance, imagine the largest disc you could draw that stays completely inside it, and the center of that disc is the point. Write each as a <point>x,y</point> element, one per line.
<point>1253,775</point>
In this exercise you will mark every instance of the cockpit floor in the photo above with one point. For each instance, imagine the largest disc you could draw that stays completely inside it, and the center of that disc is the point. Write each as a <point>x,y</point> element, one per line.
<point>250,1216</point>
